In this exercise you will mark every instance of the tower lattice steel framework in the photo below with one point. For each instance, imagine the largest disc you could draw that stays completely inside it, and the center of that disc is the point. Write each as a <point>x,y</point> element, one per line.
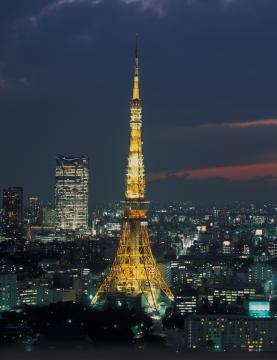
<point>134,271</point>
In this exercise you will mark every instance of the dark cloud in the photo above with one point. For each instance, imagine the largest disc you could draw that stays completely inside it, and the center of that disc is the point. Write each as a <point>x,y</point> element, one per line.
<point>69,64</point>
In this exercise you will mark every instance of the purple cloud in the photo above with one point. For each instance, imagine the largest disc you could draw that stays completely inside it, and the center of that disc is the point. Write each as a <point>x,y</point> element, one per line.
<point>157,6</point>
<point>55,5</point>
<point>9,82</point>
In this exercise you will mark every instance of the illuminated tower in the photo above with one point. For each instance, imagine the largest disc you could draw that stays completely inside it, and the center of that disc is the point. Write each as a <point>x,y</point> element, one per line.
<point>71,193</point>
<point>134,271</point>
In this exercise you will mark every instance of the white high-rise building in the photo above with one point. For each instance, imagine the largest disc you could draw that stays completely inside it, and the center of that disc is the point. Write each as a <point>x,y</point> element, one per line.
<point>71,193</point>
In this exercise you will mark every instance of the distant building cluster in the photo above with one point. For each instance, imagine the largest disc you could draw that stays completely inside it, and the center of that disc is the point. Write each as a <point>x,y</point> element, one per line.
<point>47,222</point>
<point>221,263</point>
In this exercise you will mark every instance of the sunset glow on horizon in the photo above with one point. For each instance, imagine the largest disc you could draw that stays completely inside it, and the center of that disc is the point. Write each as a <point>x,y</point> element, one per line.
<point>234,172</point>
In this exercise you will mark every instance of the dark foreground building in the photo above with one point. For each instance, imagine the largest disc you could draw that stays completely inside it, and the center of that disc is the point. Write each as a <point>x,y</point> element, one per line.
<point>231,333</point>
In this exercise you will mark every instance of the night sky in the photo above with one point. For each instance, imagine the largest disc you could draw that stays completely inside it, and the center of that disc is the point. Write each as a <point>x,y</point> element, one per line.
<point>208,83</point>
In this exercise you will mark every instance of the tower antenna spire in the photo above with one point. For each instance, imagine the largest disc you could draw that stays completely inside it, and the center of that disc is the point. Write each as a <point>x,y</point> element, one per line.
<point>136,75</point>
<point>136,53</point>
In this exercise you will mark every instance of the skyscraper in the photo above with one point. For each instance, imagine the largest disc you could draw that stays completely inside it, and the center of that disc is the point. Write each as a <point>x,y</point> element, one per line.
<point>134,271</point>
<point>8,288</point>
<point>13,207</point>
<point>71,193</point>
<point>33,212</point>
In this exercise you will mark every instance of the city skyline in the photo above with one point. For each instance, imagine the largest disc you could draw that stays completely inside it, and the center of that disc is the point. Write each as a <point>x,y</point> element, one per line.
<point>210,109</point>
<point>139,181</point>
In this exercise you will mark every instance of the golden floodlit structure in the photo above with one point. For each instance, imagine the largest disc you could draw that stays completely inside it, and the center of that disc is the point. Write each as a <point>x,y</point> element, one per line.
<point>134,271</point>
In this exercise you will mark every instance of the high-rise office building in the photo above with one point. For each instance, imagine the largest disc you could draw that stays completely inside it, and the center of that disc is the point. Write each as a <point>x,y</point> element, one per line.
<point>8,286</point>
<point>13,206</point>
<point>71,193</point>
<point>48,216</point>
<point>33,212</point>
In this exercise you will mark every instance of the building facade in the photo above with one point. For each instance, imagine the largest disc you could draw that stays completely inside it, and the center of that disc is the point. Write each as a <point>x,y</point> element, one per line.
<point>13,208</point>
<point>8,291</point>
<point>230,333</point>
<point>33,212</point>
<point>71,193</point>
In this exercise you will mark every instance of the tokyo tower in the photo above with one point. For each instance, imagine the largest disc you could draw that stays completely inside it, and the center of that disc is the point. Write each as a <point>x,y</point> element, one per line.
<point>134,271</point>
